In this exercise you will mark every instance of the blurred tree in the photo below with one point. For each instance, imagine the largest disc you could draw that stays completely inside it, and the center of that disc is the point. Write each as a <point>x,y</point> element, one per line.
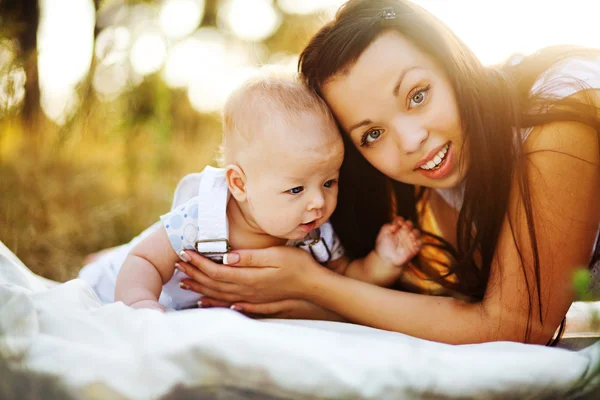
<point>19,20</point>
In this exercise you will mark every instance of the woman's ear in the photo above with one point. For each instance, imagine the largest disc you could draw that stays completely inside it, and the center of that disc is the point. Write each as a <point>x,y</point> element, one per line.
<point>236,181</point>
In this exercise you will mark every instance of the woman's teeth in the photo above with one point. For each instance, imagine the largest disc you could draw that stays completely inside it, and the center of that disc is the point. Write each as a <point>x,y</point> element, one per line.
<point>437,159</point>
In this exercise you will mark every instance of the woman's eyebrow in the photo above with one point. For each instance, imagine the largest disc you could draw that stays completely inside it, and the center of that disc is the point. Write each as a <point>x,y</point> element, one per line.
<point>358,125</point>
<point>401,78</point>
<point>394,92</point>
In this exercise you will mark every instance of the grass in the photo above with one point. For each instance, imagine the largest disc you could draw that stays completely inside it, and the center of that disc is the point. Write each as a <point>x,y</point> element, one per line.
<point>95,183</point>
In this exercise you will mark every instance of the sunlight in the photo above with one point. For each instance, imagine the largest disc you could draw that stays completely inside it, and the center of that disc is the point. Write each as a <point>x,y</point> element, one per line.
<point>110,80</point>
<point>208,95</point>
<point>179,18</point>
<point>496,30</point>
<point>60,104</point>
<point>113,43</point>
<point>201,54</point>
<point>12,88</point>
<point>164,36</point>
<point>12,79</point>
<point>148,52</point>
<point>251,20</point>
<point>288,61</point>
<point>65,42</point>
<point>306,7</point>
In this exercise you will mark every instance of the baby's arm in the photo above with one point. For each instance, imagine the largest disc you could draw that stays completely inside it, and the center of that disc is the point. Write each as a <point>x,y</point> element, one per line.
<point>396,244</point>
<point>148,266</point>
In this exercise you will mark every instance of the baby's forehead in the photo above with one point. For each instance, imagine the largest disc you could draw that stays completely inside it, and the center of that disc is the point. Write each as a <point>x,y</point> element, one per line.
<point>299,156</point>
<point>305,127</point>
<point>270,117</point>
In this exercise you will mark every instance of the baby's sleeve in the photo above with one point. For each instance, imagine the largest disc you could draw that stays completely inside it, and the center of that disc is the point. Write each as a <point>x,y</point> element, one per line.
<point>181,225</point>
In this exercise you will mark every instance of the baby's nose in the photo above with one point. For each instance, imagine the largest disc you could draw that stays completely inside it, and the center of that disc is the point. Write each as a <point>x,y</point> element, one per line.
<point>317,201</point>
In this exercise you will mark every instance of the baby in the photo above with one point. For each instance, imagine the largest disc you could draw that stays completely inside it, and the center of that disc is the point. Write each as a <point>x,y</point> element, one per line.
<point>281,157</point>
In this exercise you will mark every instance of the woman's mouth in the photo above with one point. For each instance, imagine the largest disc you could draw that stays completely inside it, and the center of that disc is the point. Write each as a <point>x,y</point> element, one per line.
<point>439,164</point>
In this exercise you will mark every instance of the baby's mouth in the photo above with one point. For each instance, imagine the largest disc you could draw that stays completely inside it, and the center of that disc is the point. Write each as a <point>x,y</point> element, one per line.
<point>309,226</point>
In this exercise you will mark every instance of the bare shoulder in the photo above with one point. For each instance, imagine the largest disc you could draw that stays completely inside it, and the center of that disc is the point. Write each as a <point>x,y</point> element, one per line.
<point>568,137</point>
<point>560,139</point>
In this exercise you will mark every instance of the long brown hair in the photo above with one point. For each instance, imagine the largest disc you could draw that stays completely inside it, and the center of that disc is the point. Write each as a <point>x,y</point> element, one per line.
<point>494,105</point>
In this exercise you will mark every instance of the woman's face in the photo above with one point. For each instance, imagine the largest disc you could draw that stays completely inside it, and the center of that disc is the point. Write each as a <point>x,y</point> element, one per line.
<point>400,111</point>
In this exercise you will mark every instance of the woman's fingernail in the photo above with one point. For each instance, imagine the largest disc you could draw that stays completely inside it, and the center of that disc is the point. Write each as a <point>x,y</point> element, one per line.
<point>231,258</point>
<point>199,303</point>
<point>184,286</point>
<point>179,268</point>
<point>184,256</point>
<point>234,307</point>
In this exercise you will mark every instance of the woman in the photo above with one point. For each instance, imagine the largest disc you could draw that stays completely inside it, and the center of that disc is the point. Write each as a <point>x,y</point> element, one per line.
<point>499,166</point>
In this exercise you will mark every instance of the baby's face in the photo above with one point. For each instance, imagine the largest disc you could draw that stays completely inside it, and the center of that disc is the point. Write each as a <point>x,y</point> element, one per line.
<point>293,187</point>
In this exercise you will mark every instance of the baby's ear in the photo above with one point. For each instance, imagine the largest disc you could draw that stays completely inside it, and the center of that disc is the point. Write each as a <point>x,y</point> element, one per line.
<point>236,181</point>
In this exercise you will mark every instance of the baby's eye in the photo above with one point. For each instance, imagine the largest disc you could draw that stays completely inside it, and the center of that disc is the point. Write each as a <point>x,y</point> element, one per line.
<point>296,190</point>
<point>329,183</point>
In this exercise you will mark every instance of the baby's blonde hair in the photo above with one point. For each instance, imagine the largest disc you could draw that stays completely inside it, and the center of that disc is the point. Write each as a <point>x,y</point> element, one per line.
<point>250,107</point>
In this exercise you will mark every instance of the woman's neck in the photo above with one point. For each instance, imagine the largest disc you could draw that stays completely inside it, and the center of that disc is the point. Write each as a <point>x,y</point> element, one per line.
<point>244,232</point>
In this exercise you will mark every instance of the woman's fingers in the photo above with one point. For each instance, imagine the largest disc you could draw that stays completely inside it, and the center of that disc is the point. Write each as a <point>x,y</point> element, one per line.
<point>214,271</point>
<point>259,276</point>
<point>263,309</point>
<point>268,257</point>
<point>205,302</point>
<point>188,284</point>
<point>205,280</point>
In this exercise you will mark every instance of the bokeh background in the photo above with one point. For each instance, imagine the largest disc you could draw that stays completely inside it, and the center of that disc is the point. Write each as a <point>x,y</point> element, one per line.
<point>106,104</point>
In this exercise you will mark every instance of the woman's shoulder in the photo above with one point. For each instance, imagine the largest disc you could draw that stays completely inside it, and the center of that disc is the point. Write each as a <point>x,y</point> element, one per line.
<point>569,76</point>
<point>574,78</point>
<point>564,138</point>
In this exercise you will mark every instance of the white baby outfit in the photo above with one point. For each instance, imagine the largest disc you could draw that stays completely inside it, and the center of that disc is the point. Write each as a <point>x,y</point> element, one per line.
<point>197,221</point>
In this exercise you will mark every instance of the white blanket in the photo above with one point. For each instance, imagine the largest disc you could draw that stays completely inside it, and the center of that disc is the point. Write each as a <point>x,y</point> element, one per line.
<point>140,354</point>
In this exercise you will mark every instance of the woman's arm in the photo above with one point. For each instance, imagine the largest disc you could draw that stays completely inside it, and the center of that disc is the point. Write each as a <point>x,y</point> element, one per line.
<point>564,177</point>
<point>255,289</point>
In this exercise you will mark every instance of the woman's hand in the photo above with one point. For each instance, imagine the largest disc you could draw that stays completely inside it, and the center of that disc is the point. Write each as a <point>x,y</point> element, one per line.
<point>252,276</point>
<point>289,309</point>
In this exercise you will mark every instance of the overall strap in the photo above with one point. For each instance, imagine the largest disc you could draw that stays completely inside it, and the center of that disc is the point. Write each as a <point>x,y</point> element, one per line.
<point>212,213</point>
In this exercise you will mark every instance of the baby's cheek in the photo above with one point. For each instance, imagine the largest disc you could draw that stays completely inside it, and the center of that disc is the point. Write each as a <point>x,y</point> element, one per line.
<point>279,218</point>
<point>333,199</point>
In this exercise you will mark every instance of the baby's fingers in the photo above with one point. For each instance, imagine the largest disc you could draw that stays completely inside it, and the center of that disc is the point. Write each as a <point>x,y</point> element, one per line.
<point>387,230</point>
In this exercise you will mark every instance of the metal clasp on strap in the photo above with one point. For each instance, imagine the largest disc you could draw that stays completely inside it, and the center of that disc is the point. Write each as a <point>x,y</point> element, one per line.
<point>312,252</point>
<point>315,235</point>
<point>221,246</point>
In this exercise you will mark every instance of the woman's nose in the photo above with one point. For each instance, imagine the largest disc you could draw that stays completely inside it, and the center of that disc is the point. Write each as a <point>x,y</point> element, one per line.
<point>410,136</point>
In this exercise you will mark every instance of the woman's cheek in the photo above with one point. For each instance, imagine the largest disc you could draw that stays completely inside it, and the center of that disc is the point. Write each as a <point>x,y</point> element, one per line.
<point>386,155</point>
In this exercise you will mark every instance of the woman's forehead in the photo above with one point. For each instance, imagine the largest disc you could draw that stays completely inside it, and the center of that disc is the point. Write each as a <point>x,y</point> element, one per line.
<point>388,57</point>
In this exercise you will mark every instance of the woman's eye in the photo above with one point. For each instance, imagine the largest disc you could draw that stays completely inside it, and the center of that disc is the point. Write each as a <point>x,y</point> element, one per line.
<point>296,190</point>
<point>329,183</point>
<point>418,98</point>
<point>371,136</point>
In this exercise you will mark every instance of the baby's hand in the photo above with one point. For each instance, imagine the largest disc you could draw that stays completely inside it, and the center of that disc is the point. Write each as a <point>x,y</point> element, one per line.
<point>398,242</point>
<point>154,305</point>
